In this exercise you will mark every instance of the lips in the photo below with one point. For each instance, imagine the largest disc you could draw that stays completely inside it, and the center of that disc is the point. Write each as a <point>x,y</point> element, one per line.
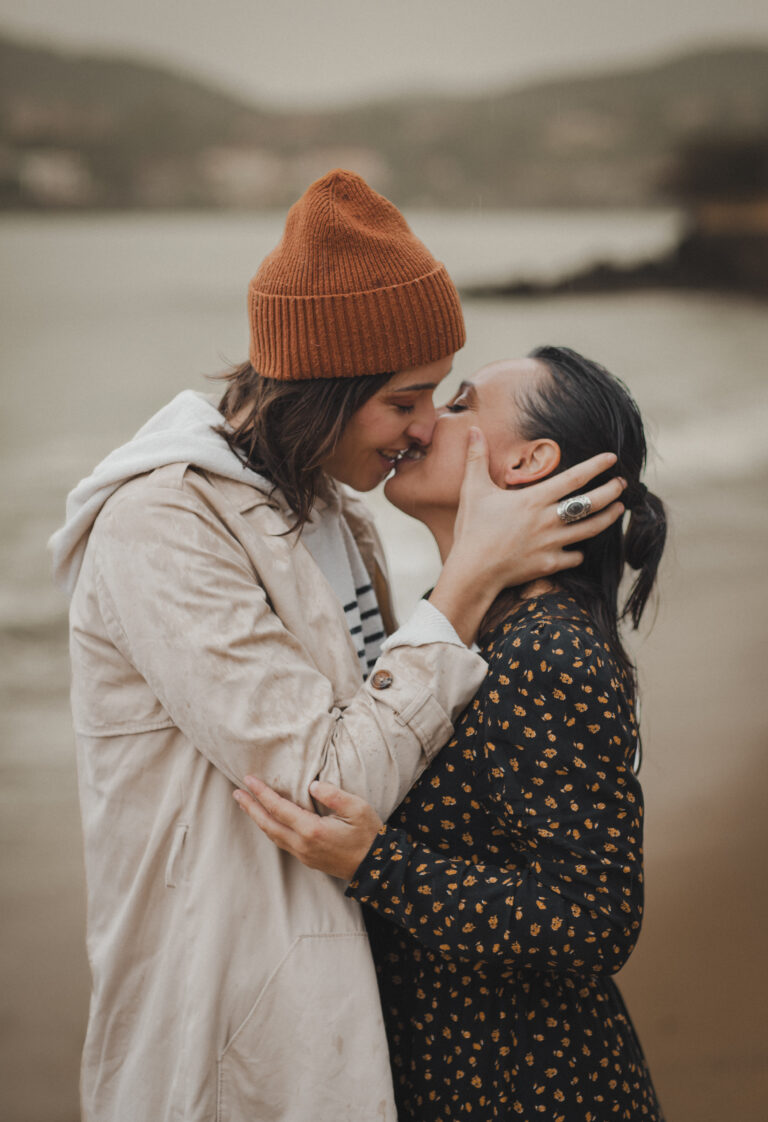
<point>413,455</point>
<point>389,459</point>
<point>393,458</point>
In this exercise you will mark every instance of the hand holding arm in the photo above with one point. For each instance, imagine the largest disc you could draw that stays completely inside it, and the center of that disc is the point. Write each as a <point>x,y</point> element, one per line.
<point>335,844</point>
<point>565,892</point>
<point>511,914</point>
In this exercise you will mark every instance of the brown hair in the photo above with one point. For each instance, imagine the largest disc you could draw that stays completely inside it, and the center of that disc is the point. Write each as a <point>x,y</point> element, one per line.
<point>291,428</point>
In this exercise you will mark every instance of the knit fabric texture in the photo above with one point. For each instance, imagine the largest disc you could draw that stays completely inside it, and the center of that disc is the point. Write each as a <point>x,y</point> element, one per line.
<point>350,290</point>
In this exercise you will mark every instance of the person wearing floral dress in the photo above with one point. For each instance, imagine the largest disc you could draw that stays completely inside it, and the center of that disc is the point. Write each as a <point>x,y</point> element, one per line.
<point>507,889</point>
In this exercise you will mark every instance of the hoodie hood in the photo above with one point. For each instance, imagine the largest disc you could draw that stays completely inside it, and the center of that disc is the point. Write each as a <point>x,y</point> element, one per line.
<point>182,432</point>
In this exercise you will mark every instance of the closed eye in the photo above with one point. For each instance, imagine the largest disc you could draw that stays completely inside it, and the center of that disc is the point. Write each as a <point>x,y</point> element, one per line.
<point>459,404</point>
<point>465,398</point>
<point>404,408</point>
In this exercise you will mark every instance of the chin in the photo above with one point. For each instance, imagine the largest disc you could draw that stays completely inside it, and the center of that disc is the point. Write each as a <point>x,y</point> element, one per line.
<point>364,485</point>
<point>361,482</point>
<point>396,492</point>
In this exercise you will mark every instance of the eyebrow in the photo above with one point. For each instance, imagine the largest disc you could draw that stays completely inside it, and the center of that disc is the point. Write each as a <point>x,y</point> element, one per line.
<point>417,386</point>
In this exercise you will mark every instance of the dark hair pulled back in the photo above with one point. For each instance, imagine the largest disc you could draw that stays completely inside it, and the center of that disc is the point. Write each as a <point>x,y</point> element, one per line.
<point>586,410</point>
<point>290,428</point>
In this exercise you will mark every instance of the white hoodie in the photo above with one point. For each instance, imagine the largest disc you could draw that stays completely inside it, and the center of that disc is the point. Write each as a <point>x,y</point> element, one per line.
<point>183,432</point>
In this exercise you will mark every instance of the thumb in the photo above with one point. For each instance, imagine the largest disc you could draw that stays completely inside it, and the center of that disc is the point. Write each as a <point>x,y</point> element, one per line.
<point>476,466</point>
<point>339,802</point>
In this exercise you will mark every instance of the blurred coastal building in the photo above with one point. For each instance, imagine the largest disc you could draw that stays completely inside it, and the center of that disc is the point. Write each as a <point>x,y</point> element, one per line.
<point>240,176</point>
<point>53,177</point>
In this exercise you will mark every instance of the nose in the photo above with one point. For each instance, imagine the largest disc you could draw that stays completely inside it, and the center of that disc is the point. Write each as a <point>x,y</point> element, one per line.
<point>422,424</point>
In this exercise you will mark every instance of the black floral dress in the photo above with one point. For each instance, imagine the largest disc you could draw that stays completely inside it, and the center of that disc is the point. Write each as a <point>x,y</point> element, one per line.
<point>508,887</point>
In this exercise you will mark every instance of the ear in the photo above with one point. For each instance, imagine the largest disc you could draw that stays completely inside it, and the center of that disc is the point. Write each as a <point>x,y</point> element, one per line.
<point>531,461</point>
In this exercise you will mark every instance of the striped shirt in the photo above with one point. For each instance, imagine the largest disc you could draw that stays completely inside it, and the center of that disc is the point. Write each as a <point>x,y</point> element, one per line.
<point>334,549</point>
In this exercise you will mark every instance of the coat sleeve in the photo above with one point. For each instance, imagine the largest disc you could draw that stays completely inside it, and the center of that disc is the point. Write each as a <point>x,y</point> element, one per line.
<point>566,891</point>
<point>181,601</point>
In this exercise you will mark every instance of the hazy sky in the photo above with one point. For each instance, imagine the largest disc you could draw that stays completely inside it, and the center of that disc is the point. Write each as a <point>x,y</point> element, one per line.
<point>322,51</point>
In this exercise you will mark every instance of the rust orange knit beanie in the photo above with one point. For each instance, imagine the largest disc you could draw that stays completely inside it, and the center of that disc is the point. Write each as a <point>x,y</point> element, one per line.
<point>350,290</point>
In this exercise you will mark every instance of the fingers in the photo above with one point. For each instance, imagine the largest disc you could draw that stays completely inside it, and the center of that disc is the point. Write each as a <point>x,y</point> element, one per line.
<point>608,493</point>
<point>282,810</point>
<point>590,527</point>
<point>335,844</point>
<point>282,836</point>
<point>476,467</point>
<point>341,803</point>
<point>576,477</point>
<point>569,559</point>
<point>579,532</point>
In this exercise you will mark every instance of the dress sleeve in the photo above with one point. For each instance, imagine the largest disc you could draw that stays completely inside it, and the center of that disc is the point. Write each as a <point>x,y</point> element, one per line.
<point>564,892</point>
<point>182,603</point>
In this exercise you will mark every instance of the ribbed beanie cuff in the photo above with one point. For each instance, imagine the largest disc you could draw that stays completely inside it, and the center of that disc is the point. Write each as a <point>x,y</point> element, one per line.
<point>350,290</point>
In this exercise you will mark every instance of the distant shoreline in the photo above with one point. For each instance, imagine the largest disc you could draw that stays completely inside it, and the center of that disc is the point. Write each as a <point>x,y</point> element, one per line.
<point>733,263</point>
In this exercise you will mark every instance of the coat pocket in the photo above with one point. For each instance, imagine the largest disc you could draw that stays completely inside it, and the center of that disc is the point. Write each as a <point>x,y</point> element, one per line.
<point>313,1044</point>
<point>174,857</point>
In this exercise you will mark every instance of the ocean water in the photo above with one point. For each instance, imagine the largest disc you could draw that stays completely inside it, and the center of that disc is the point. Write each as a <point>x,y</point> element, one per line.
<point>104,318</point>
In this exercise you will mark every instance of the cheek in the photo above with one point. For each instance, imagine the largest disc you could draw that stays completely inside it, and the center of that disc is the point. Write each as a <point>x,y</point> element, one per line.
<point>378,428</point>
<point>439,478</point>
<point>450,446</point>
<point>451,478</point>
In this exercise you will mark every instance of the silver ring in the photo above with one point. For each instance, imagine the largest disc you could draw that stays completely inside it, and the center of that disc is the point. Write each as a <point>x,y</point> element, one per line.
<point>575,508</point>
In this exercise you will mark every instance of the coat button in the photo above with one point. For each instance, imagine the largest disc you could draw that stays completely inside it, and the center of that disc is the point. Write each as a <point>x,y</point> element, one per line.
<point>382,680</point>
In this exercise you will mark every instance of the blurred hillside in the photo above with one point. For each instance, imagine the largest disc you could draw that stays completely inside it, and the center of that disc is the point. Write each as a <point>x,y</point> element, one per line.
<point>96,131</point>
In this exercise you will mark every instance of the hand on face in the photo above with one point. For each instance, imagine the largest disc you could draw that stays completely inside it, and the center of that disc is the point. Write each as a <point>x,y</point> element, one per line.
<point>456,497</point>
<point>335,844</point>
<point>505,539</point>
<point>518,534</point>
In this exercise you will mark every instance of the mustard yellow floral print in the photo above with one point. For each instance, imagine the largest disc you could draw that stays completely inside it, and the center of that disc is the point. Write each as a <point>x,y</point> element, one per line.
<point>507,889</point>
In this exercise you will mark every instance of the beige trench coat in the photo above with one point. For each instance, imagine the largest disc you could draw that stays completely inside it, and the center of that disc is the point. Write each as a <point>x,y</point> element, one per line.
<point>229,982</point>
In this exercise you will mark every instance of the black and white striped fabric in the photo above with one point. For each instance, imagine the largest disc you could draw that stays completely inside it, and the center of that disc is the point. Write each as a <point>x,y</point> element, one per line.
<point>362,613</point>
<point>329,540</point>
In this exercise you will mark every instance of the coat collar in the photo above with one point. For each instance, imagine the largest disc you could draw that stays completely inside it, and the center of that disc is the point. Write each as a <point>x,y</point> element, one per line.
<point>246,497</point>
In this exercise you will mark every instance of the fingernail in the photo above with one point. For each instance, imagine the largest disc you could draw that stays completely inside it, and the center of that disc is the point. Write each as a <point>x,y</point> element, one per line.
<point>474,435</point>
<point>238,797</point>
<point>622,481</point>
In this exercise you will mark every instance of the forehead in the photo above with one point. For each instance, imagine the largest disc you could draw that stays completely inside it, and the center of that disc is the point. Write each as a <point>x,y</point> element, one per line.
<point>499,383</point>
<point>507,375</point>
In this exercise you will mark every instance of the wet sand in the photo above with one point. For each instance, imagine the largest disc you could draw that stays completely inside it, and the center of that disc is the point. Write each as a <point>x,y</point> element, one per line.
<point>695,982</point>
<point>696,985</point>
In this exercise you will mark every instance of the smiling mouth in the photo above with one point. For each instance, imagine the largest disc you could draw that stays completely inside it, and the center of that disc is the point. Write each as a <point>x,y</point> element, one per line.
<point>412,454</point>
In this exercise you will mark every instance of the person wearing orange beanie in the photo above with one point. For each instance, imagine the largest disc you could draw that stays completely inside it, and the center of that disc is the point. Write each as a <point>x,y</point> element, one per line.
<point>230,615</point>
